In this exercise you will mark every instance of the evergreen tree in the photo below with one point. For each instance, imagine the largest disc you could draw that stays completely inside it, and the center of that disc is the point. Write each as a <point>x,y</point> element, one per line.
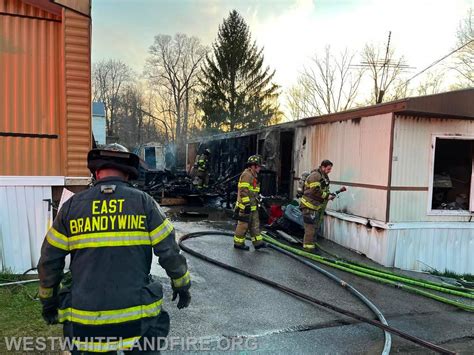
<point>236,90</point>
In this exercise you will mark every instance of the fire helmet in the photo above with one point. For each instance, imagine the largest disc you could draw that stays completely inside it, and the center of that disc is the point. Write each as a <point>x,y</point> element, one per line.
<point>114,156</point>
<point>254,160</point>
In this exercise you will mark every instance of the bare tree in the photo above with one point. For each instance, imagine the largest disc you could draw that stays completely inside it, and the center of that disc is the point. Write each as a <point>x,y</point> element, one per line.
<point>108,79</point>
<point>384,69</point>
<point>464,61</point>
<point>328,85</point>
<point>171,69</point>
<point>432,83</point>
<point>134,124</point>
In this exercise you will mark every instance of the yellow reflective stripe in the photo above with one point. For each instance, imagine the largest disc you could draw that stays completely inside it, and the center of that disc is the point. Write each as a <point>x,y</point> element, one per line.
<point>258,237</point>
<point>240,205</point>
<point>106,345</point>
<point>182,281</point>
<point>245,199</point>
<point>253,208</point>
<point>244,184</point>
<point>57,239</point>
<point>161,232</point>
<point>308,246</point>
<point>82,237</point>
<point>324,194</point>
<point>313,184</point>
<point>109,239</point>
<point>110,316</point>
<point>254,189</point>
<point>309,204</point>
<point>239,240</point>
<point>45,292</point>
<point>58,235</point>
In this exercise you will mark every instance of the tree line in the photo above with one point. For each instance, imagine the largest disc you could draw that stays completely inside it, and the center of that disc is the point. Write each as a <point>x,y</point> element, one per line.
<point>187,88</point>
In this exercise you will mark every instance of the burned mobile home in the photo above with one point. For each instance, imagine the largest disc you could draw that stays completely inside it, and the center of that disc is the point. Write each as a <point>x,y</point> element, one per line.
<point>408,166</point>
<point>231,150</point>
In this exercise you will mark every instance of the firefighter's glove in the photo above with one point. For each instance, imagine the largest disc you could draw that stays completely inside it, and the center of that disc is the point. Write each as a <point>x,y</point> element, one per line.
<point>184,297</point>
<point>247,209</point>
<point>50,310</point>
<point>332,196</point>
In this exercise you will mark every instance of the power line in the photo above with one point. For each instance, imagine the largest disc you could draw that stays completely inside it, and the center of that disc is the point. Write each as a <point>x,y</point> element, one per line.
<point>439,60</point>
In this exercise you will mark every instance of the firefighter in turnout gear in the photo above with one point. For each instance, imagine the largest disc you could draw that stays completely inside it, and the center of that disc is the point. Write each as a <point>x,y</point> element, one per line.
<point>313,202</point>
<point>246,208</point>
<point>202,169</point>
<point>110,232</point>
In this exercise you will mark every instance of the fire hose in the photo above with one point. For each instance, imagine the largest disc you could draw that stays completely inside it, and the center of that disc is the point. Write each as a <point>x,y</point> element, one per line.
<point>385,277</point>
<point>380,324</point>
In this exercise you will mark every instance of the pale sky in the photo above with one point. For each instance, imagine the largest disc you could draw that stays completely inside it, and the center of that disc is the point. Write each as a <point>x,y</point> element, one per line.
<point>291,31</point>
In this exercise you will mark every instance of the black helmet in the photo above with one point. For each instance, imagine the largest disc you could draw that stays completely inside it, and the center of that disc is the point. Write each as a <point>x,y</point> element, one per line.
<point>254,160</point>
<point>114,156</point>
<point>207,151</point>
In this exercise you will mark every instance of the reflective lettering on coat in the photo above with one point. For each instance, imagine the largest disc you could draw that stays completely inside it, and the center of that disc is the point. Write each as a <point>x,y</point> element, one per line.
<point>107,206</point>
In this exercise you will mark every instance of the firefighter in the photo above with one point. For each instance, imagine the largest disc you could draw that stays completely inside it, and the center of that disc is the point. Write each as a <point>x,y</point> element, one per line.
<point>110,232</point>
<point>202,169</point>
<point>313,202</point>
<point>247,205</point>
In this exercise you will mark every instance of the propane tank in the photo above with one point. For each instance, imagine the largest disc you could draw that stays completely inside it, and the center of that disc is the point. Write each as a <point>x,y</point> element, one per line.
<point>300,189</point>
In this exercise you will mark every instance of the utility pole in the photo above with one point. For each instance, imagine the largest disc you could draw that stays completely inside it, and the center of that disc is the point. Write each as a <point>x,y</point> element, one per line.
<point>384,65</point>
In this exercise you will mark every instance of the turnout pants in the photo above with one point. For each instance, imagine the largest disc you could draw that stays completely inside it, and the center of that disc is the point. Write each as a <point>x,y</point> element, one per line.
<point>203,179</point>
<point>312,222</point>
<point>158,328</point>
<point>248,223</point>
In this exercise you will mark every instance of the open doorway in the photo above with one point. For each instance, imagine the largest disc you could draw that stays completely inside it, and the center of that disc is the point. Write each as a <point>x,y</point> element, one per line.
<point>286,163</point>
<point>452,174</point>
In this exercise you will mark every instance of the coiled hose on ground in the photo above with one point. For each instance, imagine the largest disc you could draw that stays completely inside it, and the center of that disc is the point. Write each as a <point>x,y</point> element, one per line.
<point>300,295</point>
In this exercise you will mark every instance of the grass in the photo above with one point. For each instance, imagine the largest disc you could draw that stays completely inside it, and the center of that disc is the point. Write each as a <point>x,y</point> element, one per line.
<point>20,315</point>
<point>453,275</point>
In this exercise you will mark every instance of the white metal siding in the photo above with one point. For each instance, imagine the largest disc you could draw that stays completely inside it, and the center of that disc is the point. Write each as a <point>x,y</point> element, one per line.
<point>359,150</point>
<point>24,219</point>
<point>412,207</point>
<point>376,243</point>
<point>415,246</point>
<point>442,249</point>
<point>411,164</point>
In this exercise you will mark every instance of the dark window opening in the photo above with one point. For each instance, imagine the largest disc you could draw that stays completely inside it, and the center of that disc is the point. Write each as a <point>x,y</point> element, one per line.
<point>453,164</point>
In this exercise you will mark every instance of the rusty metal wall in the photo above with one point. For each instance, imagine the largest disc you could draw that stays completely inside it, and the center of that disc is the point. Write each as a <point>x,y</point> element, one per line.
<point>77,91</point>
<point>82,6</point>
<point>359,149</point>
<point>411,165</point>
<point>30,58</point>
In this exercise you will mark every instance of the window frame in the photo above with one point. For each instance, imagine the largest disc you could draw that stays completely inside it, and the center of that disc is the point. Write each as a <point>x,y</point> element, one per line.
<point>432,212</point>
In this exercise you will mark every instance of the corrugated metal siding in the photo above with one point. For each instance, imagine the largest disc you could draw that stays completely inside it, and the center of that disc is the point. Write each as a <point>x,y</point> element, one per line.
<point>411,164</point>
<point>377,244</point>
<point>78,92</point>
<point>24,219</point>
<point>415,249</point>
<point>420,249</point>
<point>82,6</point>
<point>30,57</point>
<point>20,8</point>
<point>359,150</point>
